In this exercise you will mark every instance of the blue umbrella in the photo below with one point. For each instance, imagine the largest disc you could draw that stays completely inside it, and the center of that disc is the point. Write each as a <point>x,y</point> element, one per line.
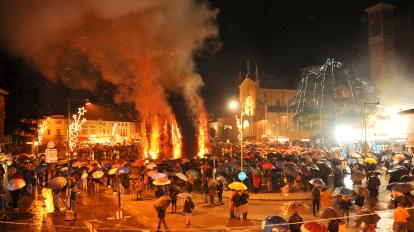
<point>122,170</point>
<point>275,222</point>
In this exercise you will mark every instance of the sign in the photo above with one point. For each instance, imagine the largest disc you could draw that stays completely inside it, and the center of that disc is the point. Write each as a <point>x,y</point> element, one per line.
<point>51,156</point>
<point>242,176</point>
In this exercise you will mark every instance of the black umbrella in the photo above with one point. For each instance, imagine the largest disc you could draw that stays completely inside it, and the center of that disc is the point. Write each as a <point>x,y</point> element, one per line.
<point>291,170</point>
<point>406,178</point>
<point>403,187</point>
<point>369,217</point>
<point>344,191</point>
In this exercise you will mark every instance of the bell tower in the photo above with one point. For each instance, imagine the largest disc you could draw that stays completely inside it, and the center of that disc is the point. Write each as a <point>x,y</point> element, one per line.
<point>381,41</point>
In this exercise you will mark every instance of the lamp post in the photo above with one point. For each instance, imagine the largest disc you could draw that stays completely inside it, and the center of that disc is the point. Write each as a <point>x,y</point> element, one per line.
<point>365,123</point>
<point>233,105</point>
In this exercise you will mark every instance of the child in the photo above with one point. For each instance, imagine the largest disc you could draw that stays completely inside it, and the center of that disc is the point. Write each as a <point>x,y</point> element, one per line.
<point>400,218</point>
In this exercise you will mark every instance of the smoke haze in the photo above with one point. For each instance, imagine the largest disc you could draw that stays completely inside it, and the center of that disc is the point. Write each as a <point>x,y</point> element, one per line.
<point>145,48</point>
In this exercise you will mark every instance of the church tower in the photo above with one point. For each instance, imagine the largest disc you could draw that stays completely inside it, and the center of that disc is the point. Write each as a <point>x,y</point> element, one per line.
<point>381,41</point>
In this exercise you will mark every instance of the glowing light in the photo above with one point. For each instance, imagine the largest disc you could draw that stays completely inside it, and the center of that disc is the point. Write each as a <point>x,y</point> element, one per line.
<point>41,131</point>
<point>202,136</point>
<point>75,127</point>
<point>344,133</point>
<point>155,136</point>
<point>176,140</point>
<point>233,105</point>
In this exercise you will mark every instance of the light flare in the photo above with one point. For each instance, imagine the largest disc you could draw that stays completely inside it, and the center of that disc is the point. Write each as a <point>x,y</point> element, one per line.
<point>155,138</point>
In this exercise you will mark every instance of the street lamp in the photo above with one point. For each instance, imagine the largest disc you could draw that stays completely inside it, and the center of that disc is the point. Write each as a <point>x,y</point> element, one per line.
<point>233,105</point>
<point>365,123</point>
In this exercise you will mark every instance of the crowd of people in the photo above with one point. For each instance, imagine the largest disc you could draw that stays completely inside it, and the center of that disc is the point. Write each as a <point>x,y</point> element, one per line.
<point>267,167</point>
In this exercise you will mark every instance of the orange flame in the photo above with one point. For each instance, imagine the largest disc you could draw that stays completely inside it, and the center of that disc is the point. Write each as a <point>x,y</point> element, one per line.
<point>176,140</point>
<point>144,139</point>
<point>202,136</point>
<point>155,136</point>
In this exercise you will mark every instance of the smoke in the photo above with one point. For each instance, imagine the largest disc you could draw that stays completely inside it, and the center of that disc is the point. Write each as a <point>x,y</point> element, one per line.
<point>395,88</point>
<point>145,48</point>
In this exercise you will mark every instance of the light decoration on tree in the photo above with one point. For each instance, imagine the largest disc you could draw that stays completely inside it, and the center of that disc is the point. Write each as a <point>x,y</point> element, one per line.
<point>41,131</point>
<point>75,127</point>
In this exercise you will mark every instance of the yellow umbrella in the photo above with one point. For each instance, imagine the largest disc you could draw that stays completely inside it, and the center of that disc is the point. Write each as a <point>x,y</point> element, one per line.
<point>370,161</point>
<point>161,181</point>
<point>112,171</point>
<point>237,186</point>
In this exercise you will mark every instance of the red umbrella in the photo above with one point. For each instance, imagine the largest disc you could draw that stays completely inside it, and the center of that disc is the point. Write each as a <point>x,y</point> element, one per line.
<point>267,166</point>
<point>315,227</point>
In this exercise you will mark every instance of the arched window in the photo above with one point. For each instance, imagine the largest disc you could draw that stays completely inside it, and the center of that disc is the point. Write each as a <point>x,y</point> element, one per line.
<point>248,109</point>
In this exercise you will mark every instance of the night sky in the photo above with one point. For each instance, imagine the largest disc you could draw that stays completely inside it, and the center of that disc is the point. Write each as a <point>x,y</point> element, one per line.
<point>281,37</point>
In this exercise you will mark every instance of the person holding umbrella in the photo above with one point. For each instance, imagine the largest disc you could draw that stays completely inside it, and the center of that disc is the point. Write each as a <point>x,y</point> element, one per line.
<point>188,209</point>
<point>344,205</point>
<point>316,198</point>
<point>220,187</point>
<point>161,206</point>
<point>243,203</point>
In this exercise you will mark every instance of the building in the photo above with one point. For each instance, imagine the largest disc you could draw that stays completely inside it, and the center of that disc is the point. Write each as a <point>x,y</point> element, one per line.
<point>264,113</point>
<point>381,41</point>
<point>93,131</point>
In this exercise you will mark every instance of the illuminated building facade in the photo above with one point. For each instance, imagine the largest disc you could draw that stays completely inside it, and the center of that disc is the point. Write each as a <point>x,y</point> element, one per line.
<point>93,131</point>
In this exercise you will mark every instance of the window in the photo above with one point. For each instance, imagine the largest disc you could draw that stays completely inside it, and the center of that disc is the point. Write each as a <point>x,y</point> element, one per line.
<point>375,28</point>
<point>278,102</point>
<point>48,131</point>
<point>58,132</point>
<point>84,131</point>
<point>58,122</point>
<point>93,131</point>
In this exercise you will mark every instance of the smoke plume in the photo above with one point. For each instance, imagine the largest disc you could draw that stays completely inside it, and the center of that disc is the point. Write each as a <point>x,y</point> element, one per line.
<point>145,48</point>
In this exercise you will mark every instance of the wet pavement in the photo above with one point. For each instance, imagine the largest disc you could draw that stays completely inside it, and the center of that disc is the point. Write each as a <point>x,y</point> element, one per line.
<point>97,212</point>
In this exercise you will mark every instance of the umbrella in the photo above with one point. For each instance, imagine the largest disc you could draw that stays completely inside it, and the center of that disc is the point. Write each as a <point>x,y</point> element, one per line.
<point>161,181</point>
<point>361,190</point>
<point>181,176</point>
<point>58,182</point>
<point>317,182</point>
<point>212,183</point>
<point>192,174</point>
<point>112,171</point>
<point>150,165</point>
<point>158,176</point>
<point>299,207</point>
<point>274,223</point>
<point>291,169</point>
<point>163,202</point>
<point>221,179</point>
<point>122,170</point>
<point>237,186</point>
<point>90,168</point>
<point>397,168</point>
<point>343,191</point>
<point>184,195</point>
<point>151,173</point>
<point>84,175</point>
<point>369,217</point>
<point>15,184</point>
<point>315,227</point>
<point>327,213</point>
<point>138,163</point>
<point>314,167</point>
<point>370,161</point>
<point>398,157</point>
<point>406,178</point>
<point>116,165</point>
<point>403,187</point>
<point>267,166</point>
<point>97,174</point>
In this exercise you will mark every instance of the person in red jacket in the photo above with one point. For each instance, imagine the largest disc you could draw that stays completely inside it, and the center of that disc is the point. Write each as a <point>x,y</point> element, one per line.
<point>256,184</point>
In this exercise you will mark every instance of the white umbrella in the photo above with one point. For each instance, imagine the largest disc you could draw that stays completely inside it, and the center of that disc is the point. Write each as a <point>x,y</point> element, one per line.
<point>181,176</point>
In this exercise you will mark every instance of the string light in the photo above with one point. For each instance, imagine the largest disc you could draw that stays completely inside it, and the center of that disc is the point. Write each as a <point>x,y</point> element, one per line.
<point>75,127</point>
<point>41,131</point>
